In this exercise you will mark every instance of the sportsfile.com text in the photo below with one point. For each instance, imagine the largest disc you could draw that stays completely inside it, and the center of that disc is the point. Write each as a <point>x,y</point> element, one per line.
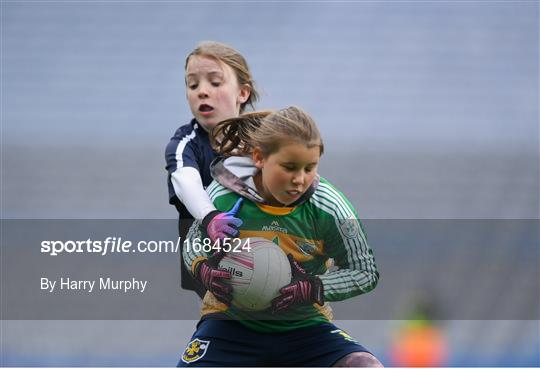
<point>108,246</point>
<point>119,245</point>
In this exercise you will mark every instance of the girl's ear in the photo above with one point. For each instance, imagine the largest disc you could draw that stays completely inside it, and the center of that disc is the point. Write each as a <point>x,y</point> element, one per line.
<point>258,158</point>
<point>243,94</point>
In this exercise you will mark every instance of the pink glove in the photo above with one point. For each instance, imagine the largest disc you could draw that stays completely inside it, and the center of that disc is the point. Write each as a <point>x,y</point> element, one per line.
<point>212,278</point>
<point>223,225</point>
<point>304,289</point>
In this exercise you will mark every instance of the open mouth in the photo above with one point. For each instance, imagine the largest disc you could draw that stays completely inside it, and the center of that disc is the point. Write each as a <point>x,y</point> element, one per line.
<point>205,108</point>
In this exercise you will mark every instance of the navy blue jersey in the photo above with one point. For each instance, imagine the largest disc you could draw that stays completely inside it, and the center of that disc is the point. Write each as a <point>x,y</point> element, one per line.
<point>189,147</point>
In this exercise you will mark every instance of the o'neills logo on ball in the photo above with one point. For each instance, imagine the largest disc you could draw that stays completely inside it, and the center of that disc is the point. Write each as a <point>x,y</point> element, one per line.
<point>234,272</point>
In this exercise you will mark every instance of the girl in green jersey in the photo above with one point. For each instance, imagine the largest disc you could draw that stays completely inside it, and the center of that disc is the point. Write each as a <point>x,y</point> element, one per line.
<point>270,160</point>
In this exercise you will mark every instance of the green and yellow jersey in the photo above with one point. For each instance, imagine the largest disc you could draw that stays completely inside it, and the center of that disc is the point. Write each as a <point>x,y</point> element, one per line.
<point>320,229</point>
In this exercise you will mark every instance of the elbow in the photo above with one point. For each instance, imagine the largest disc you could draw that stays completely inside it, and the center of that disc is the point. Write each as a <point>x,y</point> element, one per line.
<point>373,281</point>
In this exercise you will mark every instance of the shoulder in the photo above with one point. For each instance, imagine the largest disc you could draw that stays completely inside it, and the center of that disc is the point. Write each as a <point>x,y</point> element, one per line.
<point>188,135</point>
<point>187,131</point>
<point>221,197</point>
<point>328,199</point>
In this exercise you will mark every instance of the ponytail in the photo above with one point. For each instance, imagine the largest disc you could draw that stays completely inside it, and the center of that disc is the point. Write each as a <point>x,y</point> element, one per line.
<point>234,136</point>
<point>265,130</point>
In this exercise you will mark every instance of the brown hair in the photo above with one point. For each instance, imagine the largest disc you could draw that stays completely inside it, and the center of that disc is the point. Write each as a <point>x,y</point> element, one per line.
<point>233,59</point>
<point>267,130</point>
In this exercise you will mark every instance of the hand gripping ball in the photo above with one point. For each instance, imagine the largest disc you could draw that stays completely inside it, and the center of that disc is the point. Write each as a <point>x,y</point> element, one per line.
<point>257,275</point>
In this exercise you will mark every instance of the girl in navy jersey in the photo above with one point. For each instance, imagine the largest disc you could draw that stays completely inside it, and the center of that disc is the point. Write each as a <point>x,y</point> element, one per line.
<point>219,86</point>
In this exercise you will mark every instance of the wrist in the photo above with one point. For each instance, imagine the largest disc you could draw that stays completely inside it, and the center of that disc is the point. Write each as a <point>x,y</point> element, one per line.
<point>208,218</point>
<point>197,269</point>
<point>196,263</point>
<point>317,290</point>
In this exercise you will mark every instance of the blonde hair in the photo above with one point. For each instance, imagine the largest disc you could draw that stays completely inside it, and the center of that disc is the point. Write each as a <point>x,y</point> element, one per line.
<point>266,130</point>
<point>233,59</point>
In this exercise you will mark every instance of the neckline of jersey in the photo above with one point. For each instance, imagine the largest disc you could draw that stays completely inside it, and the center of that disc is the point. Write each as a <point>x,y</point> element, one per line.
<point>275,210</point>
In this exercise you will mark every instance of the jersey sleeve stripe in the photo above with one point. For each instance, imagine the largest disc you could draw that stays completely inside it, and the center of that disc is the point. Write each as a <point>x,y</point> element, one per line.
<point>362,275</point>
<point>356,247</point>
<point>212,188</point>
<point>346,211</point>
<point>339,207</point>
<point>328,209</point>
<point>343,205</point>
<point>192,254</point>
<point>218,191</point>
<point>181,147</point>
<point>340,284</point>
<point>350,213</point>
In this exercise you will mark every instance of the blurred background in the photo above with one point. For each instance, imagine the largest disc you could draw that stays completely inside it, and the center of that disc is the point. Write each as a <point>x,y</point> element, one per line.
<point>429,110</point>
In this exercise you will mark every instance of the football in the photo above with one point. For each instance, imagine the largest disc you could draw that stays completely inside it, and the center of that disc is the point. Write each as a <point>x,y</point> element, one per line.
<point>258,272</point>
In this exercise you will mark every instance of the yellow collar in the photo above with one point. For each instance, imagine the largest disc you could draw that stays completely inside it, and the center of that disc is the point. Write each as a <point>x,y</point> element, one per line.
<point>275,210</point>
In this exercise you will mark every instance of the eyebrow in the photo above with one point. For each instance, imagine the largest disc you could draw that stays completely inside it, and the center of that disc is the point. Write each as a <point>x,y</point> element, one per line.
<point>295,163</point>
<point>212,73</point>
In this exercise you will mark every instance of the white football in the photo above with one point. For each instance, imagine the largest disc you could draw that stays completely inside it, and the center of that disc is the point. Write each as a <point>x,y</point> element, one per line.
<point>257,275</point>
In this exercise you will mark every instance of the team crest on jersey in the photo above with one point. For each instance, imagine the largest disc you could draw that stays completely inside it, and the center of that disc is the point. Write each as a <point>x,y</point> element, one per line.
<point>349,227</point>
<point>306,247</point>
<point>195,350</point>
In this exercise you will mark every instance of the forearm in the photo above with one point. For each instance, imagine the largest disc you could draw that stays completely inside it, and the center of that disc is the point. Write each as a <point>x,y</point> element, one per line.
<point>194,255</point>
<point>189,189</point>
<point>346,283</point>
<point>205,268</point>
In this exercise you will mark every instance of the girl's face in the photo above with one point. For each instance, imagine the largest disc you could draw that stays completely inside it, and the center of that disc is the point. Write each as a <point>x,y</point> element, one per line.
<point>285,175</point>
<point>213,92</point>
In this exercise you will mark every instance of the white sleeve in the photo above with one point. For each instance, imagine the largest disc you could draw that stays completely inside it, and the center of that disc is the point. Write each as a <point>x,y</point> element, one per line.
<point>189,189</point>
